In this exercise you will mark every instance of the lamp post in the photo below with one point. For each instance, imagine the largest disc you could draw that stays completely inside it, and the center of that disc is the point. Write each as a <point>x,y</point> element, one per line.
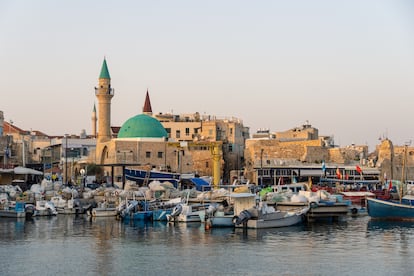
<point>261,167</point>
<point>66,159</point>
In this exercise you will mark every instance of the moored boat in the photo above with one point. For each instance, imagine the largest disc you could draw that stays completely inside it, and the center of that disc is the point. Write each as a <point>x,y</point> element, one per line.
<point>17,210</point>
<point>103,209</point>
<point>268,217</point>
<point>391,209</point>
<point>402,209</point>
<point>188,212</point>
<point>147,176</point>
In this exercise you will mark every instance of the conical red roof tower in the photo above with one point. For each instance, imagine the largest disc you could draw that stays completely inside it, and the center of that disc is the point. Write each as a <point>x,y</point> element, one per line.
<point>147,105</point>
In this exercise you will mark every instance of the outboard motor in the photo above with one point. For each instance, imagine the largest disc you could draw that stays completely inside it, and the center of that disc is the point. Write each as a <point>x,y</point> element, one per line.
<point>175,212</point>
<point>30,210</point>
<point>51,208</point>
<point>242,217</point>
<point>129,209</point>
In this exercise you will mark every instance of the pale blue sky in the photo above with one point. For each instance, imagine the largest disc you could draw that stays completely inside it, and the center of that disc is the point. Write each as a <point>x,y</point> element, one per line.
<point>345,66</point>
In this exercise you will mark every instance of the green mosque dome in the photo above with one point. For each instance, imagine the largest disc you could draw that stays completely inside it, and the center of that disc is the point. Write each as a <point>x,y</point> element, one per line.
<point>141,126</point>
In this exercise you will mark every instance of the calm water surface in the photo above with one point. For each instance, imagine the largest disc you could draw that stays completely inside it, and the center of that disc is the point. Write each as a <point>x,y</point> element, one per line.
<point>69,245</point>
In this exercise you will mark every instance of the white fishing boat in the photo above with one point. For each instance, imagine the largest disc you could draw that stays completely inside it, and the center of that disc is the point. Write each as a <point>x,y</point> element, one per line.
<point>258,216</point>
<point>63,206</point>
<point>187,212</point>
<point>13,210</point>
<point>220,214</point>
<point>267,217</point>
<point>44,208</point>
<point>104,209</point>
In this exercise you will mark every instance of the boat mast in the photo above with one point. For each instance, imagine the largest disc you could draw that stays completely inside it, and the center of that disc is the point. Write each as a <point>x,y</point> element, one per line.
<point>403,172</point>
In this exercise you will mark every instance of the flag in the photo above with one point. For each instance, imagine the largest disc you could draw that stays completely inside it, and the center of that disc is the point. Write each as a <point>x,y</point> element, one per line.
<point>390,185</point>
<point>358,169</point>
<point>338,173</point>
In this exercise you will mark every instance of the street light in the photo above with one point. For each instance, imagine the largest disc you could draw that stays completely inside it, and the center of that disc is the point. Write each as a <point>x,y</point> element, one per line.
<point>261,167</point>
<point>66,158</point>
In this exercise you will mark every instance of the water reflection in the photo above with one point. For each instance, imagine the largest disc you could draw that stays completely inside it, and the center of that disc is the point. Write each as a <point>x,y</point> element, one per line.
<point>383,225</point>
<point>105,246</point>
<point>261,234</point>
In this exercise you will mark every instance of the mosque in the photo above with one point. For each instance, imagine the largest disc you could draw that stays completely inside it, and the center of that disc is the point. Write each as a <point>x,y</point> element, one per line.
<point>142,142</point>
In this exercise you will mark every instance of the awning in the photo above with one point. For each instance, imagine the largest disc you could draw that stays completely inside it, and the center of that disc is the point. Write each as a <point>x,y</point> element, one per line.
<point>316,172</point>
<point>6,171</point>
<point>23,170</point>
<point>200,183</point>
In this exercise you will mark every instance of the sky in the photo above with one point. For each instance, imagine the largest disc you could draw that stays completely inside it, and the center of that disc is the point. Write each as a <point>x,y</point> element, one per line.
<point>346,67</point>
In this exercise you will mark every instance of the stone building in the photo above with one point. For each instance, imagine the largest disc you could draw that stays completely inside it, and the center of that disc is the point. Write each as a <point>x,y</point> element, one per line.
<point>395,162</point>
<point>143,142</point>
<point>301,147</point>
<point>195,128</point>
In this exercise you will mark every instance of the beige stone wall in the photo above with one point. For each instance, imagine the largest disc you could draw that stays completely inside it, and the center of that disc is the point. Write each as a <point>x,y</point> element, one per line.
<point>306,132</point>
<point>276,153</point>
<point>181,127</point>
<point>160,155</point>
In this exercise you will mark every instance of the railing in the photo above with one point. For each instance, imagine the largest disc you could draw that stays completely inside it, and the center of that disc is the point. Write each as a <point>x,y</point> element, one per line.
<point>109,91</point>
<point>7,166</point>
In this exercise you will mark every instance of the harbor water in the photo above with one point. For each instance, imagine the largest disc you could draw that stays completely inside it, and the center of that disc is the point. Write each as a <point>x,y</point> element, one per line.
<point>76,245</point>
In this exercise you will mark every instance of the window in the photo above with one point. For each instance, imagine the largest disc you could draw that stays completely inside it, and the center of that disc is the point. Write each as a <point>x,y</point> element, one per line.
<point>177,134</point>
<point>148,154</point>
<point>160,154</point>
<point>206,164</point>
<point>187,131</point>
<point>169,132</point>
<point>231,130</point>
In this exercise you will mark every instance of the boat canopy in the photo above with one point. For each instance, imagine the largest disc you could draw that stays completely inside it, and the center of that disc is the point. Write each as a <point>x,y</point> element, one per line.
<point>23,170</point>
<point>200,184</point>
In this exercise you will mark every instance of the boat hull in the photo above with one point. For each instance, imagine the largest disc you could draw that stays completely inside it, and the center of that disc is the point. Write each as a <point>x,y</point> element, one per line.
<point>389,210</point>
<point>140,215</point>
<point>222,221</point>
<point>12,214</point>
<point>160,214</point>
<point>140,176</point>
<point>279,219</point>
<point>103,212</point>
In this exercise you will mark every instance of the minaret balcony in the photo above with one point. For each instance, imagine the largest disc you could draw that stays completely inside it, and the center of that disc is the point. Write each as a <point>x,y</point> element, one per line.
<point>106,91</point>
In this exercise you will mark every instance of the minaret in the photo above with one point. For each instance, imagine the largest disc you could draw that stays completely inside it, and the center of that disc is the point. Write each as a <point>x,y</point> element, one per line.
<point>104,94</point>
<point>1,123</point>
<point>94,119</point>
<point>147,109</point>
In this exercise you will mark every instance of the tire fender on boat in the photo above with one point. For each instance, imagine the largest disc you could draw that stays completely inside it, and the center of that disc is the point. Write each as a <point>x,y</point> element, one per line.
<point>354,211</point>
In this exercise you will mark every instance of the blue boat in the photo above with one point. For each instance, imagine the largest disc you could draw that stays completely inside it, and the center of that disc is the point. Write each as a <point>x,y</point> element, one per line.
<point>145,177</point>
<point>136,210</point>
<point>139,215</point>
<point>161,214</point>
<point>391,209</point>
